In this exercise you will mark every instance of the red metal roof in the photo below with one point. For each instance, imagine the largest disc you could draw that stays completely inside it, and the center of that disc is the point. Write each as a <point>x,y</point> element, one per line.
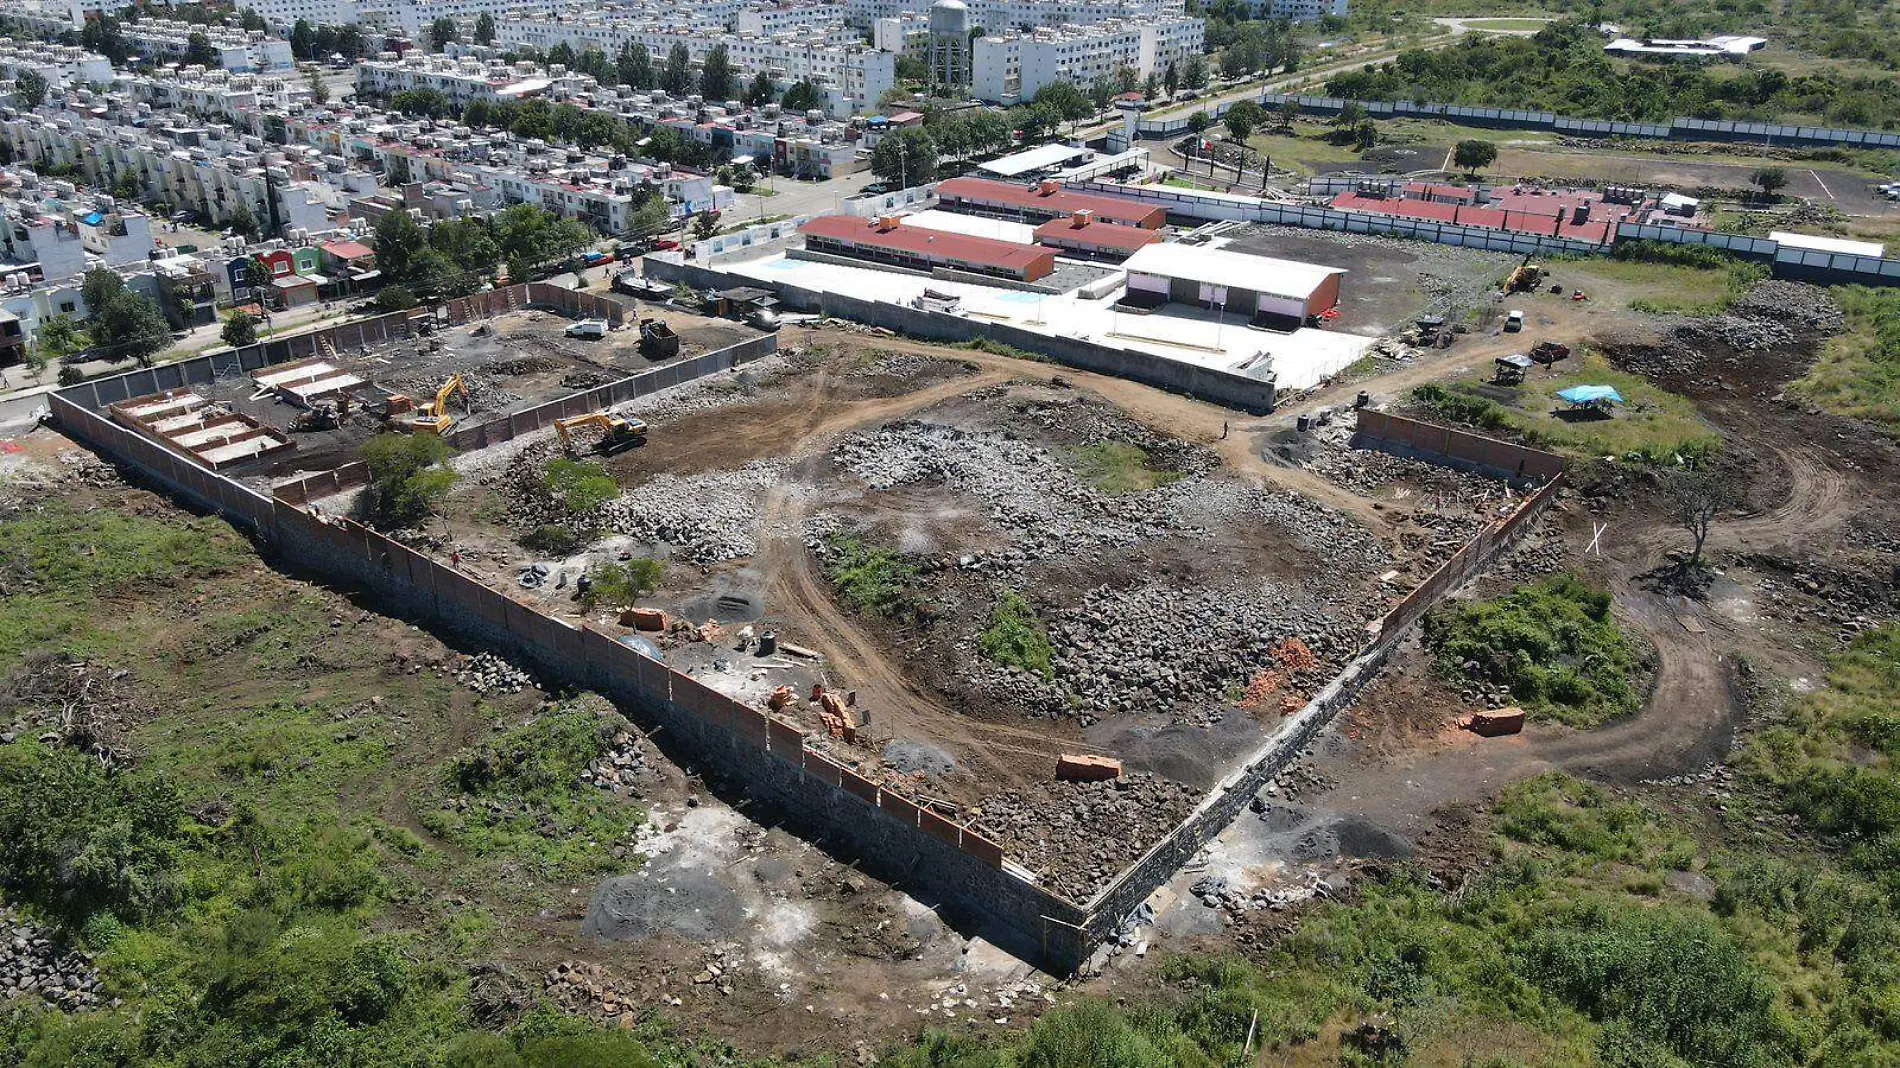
<point>1442,191</point>
<point>1060,201</point>
<point>1097,234</point>
<point>346,250</point>
<point>933,244</point>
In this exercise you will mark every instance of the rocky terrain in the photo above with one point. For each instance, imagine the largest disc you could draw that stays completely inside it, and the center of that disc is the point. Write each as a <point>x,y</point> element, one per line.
<point>33,963</point>
<point>1079,835</point>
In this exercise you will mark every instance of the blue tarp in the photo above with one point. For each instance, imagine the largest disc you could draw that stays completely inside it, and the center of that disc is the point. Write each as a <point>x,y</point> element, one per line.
<point>1591,394</point>
<point>94,218</point>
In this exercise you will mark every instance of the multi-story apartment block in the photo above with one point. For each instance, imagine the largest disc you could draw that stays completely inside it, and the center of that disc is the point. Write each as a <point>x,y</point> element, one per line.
<point>1011,66</point>
<point>237,50</point>
<point>853,75</point>
<point>1300,10</point>
<point>60,65</point>
<point>213,94</point>
<point>1000,16</point>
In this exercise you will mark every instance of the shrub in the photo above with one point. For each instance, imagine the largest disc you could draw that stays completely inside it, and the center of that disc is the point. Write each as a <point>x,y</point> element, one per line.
<point>408,476</point>
<point>1462,407</point>
<point>871,580</point>
<point>1016,638</point>
<point>77,840</point>
<point>622,583</point>
<point>555,539</point>
<point>580,486</point>
<point>1554,644</point>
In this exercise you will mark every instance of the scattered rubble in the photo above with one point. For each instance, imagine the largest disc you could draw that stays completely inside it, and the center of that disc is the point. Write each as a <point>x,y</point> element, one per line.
<point>1079,835</point>
<point>708,518</point>
<point>31,962</point>
<point>487,673</point>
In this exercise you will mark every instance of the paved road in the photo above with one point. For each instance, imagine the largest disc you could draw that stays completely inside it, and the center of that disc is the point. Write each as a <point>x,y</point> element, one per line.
<point>1463,25</point>
<point>792,197</point>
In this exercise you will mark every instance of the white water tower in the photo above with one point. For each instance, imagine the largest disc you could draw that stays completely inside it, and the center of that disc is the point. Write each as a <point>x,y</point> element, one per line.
<point>950,43</point>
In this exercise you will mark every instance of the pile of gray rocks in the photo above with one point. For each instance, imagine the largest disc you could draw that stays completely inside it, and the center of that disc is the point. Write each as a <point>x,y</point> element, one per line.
<point>33,963</point>
<point>1079,835</point>
<point>487,673</point>
<point>708,518</point>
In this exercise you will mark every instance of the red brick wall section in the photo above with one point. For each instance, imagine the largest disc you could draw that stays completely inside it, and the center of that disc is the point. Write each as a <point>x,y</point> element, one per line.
<point>938,827</point>
<point>749,724</point>
<point>901,809</point>
<point>982,849</point>
<point>824,769</point>
<point>858,784</point>
<point>786,742</point>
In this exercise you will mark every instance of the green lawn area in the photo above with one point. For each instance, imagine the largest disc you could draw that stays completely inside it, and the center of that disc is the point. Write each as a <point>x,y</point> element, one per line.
<point>1506,25</point>
<point>1653,426</point>
<point>1858,373</point>
<point>1663,287</point>
<point>1305,151</point>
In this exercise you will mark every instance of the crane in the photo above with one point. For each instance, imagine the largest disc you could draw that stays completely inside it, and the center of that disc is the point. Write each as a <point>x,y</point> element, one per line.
<point>621,433</point>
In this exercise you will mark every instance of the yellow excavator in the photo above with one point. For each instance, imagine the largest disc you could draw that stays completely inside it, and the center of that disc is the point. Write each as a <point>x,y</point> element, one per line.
<point>621,433</point>
<point>434,417</point>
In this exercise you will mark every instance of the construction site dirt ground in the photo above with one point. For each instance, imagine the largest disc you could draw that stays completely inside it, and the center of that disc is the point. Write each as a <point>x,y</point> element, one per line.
<point>1191,591</point>
<point>1389,281</point>
<point>508,363</point>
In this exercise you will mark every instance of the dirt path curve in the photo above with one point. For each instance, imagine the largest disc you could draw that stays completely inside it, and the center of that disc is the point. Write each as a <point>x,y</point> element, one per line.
<point>796,590</point>
<point>1218,428</point>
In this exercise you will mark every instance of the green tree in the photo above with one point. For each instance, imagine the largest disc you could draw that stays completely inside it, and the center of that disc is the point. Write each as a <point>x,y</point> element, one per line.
<point>1770,180</point>
<point>652,216</point>
<point>1200,122</point>
<point>398,242</point>
<point>715,75</point>
<point>29,87</point>
<point>198,50</point>
<point>912,70</point>
<point>303,40</point>
<point>250,21</point>
<point>1289,114</point>
<point>319,89</point>
<point>1067,101</point>
<point>677,76</point>
<point>907,157</point>
<point>129,326</point>
<point>1171,78</point>
<point>705,224</point>
<point>99,286</point>
<point>395,298</point>
<point>240,329</point>
<point>242,220</point>
<point>634,66</point>
<point>485,29</point>
<point>1474,155</point>
<point>441,32</point>
<point>761,92</point>
<point>1195,75</point>
<point>408,477</point>
<point>1243,118</point>
<point>58,337</point>
<point>803,96</point>
<point>1365,135</point>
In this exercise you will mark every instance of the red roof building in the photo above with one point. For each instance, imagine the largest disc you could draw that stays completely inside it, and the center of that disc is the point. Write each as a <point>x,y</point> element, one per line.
<point>1080,233</point>
<point>1045,201</point>
<point>885,240</point>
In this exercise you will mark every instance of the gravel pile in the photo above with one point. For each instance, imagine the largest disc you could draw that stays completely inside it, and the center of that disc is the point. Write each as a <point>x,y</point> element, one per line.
<point>1806,307</point>
<point>521,365</point>
<point>1743,332</point>
<point>486,673</point>
<point>1024,488</point>
<point>1079,835</point>
<point>905,365</point>
<point>1174,649</point>
<point>32,963</point>
<point>707,517</point>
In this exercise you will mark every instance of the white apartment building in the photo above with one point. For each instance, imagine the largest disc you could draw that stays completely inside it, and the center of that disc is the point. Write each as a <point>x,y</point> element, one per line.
<point>854,76</point>
<point>216,93</point>
<point>165,41</point>
<point>208,170</point>
<point>1300,10</point>
<point>461,80</point>
<point>60,65</point>
<point>904,34</point>
<point>1008,67</point>
<point>767,20</point>
<point>999,16</point>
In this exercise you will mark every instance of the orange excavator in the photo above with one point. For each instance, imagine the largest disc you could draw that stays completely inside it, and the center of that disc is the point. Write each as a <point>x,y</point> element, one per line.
<point>620,434</point>
<point>434,417</point>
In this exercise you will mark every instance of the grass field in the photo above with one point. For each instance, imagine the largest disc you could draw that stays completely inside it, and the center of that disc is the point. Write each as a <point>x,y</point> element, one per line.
<point>1661,287</point>
<point>1858,373</point>
<point>1652,426</point>
<point>1505,25</point>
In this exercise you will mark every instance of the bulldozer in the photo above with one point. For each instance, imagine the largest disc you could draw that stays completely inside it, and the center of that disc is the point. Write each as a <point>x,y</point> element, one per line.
<point>434,417</point>
<point>1525,279</point>
<point>324,416</point>
<point>621,433</point>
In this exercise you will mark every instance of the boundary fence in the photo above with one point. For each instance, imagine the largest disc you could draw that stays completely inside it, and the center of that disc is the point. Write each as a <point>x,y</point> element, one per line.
<point>1449,447</point>
<point>768,758</point>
